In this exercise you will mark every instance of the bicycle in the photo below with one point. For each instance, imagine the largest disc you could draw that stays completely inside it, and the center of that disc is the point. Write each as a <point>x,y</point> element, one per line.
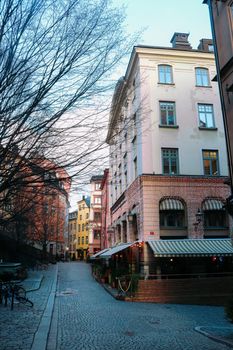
<point>15,293</point>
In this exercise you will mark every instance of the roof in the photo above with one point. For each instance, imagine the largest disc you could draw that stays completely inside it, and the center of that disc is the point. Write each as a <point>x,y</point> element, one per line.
<point>88,201</point>
<point>191,247</point>
<point>96,178</point>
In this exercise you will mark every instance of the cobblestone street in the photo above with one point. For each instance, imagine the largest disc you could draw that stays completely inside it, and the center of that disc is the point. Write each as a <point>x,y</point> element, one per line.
<point>87,317</point>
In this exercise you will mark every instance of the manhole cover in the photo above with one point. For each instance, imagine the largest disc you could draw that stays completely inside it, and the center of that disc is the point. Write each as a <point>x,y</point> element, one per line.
<point>66,292</point>
<point>129,333</point>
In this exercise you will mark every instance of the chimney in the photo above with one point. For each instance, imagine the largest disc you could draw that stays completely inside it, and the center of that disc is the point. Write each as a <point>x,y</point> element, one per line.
<point>180,41</point>
<point>83,198</point>
<point>206,45</point>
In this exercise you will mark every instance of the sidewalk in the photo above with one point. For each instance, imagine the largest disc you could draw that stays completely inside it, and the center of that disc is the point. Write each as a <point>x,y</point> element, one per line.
<point>26,328</point>
<point>223,335</point>
<point>33,281</point>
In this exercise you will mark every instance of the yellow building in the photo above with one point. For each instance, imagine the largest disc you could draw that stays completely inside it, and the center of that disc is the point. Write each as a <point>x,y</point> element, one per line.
<point>82,241</point>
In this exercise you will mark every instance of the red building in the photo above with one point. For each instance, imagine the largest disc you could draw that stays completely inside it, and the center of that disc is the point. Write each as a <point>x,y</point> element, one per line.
<point>48,210</point>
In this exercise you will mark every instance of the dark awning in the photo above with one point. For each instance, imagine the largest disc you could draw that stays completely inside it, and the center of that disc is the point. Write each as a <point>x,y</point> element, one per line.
<point>191,247</point>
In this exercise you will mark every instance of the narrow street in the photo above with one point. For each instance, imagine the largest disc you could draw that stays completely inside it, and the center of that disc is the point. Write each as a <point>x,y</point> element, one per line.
<point>87,317</point>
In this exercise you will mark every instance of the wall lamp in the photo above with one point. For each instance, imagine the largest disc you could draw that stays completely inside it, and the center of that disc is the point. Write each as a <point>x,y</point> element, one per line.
<point>199,215</point>
<point>130,217</point>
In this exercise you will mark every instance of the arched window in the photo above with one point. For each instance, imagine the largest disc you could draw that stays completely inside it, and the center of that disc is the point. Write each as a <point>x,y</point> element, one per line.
<point>165,74</point>
<point>214,214</point>
<point>171,213</point>
<point>202,77</point>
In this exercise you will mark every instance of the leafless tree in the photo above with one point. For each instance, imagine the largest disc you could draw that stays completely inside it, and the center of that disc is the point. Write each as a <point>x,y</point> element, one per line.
<point>56,59</point>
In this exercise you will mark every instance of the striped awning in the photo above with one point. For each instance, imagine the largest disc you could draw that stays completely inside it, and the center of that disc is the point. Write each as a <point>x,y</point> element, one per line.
<point>171,204</point>
<point>118,248</point>
<point>191,247</point>
<point>212,204</point>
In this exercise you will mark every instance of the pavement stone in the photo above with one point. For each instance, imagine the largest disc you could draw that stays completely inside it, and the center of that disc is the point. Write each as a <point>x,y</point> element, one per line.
<point>86,317</point>
<point>77,314</point>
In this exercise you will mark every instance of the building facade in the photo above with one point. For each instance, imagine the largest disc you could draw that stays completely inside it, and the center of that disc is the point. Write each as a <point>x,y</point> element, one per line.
<point>106,220</point>
<point>73,233</point>
<point>168,159</point>
<point>82,240</point>
<point>221,16</point>
<point>95,214</point>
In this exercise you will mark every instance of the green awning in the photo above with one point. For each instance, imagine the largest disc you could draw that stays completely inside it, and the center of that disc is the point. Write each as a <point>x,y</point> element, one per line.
<point>97,255</point>
<point>212,204</point>
<point>114,250</point>
<point>191,247</point>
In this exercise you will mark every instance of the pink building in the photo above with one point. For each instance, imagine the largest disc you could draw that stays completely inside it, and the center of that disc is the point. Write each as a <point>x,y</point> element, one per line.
<point>168,162</point>
<point>106,220</point>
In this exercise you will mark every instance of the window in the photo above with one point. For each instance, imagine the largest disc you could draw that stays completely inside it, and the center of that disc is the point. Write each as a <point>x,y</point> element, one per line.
<point>82,240</point>
<point>96,234</point>
<point>135,165</point>
<point>210,162</point>
<point>97,186</point>
<point>206,115</point>
<point>173,218</point>
<point>78,240</point>
<point>167,113</point>
<point>87,215</point>
<point>211,48</point>
<point>97,200</point>
<point>202,77</point>
<point>214,219</point>
<point>165,74</point>
<point>125,142</point>
<point>82,227</point>
<point>171,213</point>
<point>134,147</point>
<point>80,217</point>
<point>134,131</point>
<point>170,162</point>
<point>97,216</point>
<point>86,239</point>
<point>125,179</point>
<point>79,227</point>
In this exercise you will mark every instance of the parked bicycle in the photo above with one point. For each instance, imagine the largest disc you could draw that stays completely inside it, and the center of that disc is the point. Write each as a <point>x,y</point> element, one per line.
<point>14,293</point>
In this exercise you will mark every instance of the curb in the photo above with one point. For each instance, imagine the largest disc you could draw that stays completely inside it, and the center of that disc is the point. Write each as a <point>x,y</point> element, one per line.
<point>200,330</point>
<point>38,281</point>
<point>41,336</point>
